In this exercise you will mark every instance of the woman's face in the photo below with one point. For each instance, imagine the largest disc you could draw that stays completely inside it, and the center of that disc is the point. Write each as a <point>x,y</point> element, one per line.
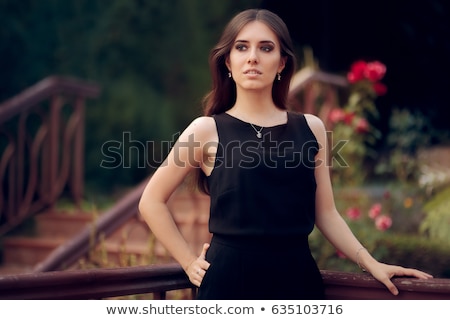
<point>255,57</point>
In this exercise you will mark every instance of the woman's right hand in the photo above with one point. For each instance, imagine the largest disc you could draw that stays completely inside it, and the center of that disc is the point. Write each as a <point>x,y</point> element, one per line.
<point>197,268</point>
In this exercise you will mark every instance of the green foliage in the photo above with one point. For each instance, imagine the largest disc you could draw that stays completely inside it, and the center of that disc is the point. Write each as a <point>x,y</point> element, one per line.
<point>408,131</point>
<point>436,224</point>
<point>402,243</point>
<point>416,252</point>
<point>393,248</point>
<point>145,119</point>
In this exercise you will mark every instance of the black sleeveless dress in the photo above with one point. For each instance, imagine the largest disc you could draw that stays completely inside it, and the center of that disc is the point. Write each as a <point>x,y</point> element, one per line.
<point>262,211</point>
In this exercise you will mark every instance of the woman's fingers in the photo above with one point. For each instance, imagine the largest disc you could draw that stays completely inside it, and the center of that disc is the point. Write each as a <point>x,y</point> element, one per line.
<point>202,257</point>
<point>391,287</point>
<point>204,249</point>
<point>198,276</point>
<point>198,267</point>
<point>416,273</point>
<point>389,271</point>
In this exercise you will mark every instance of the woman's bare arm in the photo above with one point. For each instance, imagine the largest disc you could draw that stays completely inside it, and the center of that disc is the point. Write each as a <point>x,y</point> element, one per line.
<point>186,155</point>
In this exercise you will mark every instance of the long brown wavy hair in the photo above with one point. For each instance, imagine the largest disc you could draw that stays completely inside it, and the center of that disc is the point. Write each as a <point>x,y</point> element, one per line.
<point>223,93</point>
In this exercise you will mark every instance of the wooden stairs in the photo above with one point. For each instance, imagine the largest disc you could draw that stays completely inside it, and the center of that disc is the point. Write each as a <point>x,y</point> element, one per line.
<point>131,244</point>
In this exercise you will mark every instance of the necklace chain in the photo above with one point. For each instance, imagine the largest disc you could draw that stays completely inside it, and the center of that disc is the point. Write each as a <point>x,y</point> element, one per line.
<point>258,132</point>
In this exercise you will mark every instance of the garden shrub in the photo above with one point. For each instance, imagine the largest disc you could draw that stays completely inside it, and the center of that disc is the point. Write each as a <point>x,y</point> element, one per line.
<point>436,224</point>
<point>406,250</point>
<point>416,252</point>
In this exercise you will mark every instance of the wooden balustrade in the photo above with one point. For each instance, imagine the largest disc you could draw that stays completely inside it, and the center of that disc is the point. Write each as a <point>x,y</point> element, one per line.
<point>42,147</point>
<point>164,278</point>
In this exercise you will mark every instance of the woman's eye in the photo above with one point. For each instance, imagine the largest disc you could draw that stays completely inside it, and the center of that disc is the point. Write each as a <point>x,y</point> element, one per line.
<point>241,47</point>
<point>267,48</point>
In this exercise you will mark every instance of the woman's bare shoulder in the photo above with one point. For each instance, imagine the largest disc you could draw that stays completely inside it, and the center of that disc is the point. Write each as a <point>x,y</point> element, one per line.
<point>315,123</point>
<point>204,122</point>
<point>203,127</point>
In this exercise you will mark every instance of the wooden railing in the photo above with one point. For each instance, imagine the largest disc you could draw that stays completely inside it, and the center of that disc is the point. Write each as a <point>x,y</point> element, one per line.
<point>42,147</point>
<point>163,279</point>
<point>317,92</point>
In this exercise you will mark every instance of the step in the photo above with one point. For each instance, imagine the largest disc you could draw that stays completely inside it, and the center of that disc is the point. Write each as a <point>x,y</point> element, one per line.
<point>28,251</point>
<point>61,224</point>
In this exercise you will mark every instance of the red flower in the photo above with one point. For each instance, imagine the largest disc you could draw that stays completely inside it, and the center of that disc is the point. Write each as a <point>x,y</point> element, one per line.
<point>375,210</point>
<point>383,222</point>
<point>353,213</point>
<point>362,126</point>
<point>357,71</point>
<point>379,88</point>
<point>336,115</point>
<point>375,71</point>
<point>348,117</point>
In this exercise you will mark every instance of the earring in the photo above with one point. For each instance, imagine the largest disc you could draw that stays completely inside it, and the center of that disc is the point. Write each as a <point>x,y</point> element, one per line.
<point>279,76</point>
<point>229,74</point>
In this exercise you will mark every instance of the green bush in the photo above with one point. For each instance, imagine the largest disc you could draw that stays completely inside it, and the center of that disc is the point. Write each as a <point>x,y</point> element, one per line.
<point>400,249</point>
<point>416,252</point>
<point>401,243</point>
<point>436,224</point>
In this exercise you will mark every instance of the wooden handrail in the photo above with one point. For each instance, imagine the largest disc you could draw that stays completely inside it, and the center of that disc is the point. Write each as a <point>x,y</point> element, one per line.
<point>94,283</point>
<point>43,90</point>
<point>159,279</point>
<point>307,75</point>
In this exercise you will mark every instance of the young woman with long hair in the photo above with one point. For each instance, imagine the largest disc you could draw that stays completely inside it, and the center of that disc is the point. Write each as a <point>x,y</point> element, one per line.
<point>265,170</point>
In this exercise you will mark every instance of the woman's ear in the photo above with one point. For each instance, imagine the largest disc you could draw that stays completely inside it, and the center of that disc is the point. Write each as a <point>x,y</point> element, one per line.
<point>282,64</point>
<point>227,63</point>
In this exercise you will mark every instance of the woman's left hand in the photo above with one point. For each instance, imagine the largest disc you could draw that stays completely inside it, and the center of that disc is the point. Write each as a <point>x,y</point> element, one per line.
<point>384,273</point>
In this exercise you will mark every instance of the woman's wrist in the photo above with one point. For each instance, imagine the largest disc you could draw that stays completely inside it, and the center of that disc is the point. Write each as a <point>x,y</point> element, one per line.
<point>364,260</point>
<point>188,263</point>
<point>358,258</point>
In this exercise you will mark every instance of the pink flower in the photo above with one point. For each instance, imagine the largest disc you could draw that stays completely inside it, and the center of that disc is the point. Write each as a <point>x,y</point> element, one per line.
<point>357,71</point>
<point>375,71</point>
<point>383,222</point>
<point>353,213</point>
<point>340,254</point>
<point>379,88</point>
<point>362,126</point>
<point>375,210</point>
<point>336,115</point>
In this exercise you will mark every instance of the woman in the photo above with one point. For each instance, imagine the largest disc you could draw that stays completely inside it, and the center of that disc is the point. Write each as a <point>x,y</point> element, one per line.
<point>265,170</point>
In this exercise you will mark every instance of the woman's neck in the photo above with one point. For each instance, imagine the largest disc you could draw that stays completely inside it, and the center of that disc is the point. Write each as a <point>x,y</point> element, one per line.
<point>258,108</point>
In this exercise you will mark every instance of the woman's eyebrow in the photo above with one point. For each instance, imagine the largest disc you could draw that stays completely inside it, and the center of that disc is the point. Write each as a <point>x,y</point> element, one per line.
<point>262,41</point>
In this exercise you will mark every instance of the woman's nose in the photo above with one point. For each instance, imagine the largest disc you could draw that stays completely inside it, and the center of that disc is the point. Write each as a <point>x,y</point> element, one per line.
<point>253,57</point>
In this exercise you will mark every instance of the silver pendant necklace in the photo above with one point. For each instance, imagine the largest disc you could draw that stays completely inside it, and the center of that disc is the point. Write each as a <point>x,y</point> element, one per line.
<point>258,132</point>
